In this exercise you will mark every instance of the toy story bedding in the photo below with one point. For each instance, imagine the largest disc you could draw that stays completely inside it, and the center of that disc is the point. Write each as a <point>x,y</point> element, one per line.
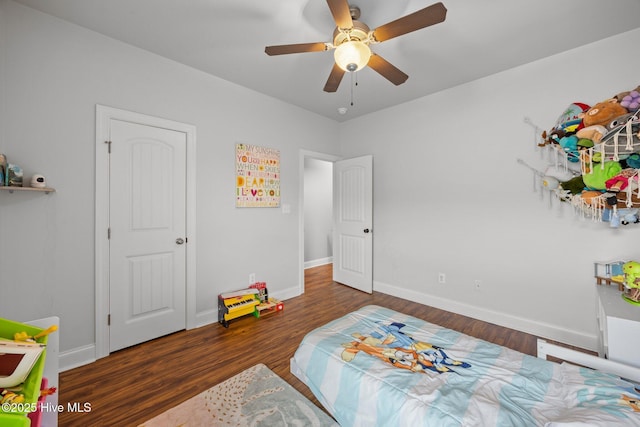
<point>378,367</point>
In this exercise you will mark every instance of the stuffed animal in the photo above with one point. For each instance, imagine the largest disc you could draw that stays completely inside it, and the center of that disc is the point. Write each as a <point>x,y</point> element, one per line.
<point>570,146</point>
<point>597,178</point>
<point>574,185</point>
<point>620,126</point>
<point>621,181</point>
<point>628,216</point>
<point>559,173</point>
<point>589,196</point>
<point>622,95</point>
<point>550,183</point>
<point>633,161</point>
<point>603,113</point>
<point>594,133</point>
<point>571,117</point>
<point>632,101</point>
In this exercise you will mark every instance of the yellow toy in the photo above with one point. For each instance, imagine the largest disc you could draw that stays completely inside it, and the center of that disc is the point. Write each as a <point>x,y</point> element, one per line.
<point>24,337</point>
<point>8,396</point>
<point>631,271</point>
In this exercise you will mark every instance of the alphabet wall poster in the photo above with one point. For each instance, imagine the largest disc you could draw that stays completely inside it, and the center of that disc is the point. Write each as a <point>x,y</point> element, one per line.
<point>257,177</point>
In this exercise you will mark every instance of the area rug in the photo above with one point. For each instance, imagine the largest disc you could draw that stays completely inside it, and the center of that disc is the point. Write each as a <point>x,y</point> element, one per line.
<point>254,397</point>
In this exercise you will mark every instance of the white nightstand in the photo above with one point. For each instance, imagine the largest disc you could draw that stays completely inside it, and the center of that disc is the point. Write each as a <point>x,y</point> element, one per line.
<point>618,327</point>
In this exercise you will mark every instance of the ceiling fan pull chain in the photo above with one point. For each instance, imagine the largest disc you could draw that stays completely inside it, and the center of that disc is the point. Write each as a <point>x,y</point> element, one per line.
<point>352,73</point>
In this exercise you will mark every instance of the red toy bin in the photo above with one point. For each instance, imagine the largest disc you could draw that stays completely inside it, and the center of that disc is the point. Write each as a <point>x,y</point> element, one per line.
<point>36,416</point>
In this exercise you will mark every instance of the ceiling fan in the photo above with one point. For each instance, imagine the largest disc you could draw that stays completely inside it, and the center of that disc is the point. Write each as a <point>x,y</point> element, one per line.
<point>351,40</point>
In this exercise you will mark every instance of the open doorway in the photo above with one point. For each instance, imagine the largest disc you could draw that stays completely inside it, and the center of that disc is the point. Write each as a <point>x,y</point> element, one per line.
<point>316,206</point>
<point>352,221</point>
<point>318,212</point>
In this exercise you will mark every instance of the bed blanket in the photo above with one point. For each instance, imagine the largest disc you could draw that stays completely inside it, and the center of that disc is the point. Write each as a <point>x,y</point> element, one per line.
<point>378,367</point>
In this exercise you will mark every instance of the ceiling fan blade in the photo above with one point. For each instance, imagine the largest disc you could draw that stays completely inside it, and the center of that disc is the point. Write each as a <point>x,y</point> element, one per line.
<point>387,70</point>
<point>295,48</point>
<point>341,13</point>
<point>430,15</point>
<point>334,79</point>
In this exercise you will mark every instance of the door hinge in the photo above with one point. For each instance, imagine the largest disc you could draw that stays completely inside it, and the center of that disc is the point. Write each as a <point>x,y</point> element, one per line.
<point>108,146</point>
<point>108,233</point>
<point>108,320</point>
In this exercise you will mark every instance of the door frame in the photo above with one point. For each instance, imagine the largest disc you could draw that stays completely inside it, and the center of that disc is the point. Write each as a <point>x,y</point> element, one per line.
<point>302,155</point>
<point>104,115</point>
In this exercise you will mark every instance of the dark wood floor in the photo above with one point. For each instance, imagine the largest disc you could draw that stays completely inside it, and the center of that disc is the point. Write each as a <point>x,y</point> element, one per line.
<point>132,385</point>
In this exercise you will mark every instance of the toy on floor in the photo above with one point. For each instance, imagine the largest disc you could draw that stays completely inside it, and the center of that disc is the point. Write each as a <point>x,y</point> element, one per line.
<point>232,305</point>
<point>271,306</point>
<point>263,293</point>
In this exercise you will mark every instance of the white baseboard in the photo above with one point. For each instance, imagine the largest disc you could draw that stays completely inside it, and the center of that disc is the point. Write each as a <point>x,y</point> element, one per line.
<point>534,327</point>
<point>206,317</point>
<point>285,294</point>
<point>318,262</point>
<point>76,357</point>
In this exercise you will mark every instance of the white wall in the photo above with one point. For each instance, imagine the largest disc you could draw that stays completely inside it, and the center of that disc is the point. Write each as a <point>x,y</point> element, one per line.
<point>52,74</point>
<point>318,210</point>
<point>449,196</point>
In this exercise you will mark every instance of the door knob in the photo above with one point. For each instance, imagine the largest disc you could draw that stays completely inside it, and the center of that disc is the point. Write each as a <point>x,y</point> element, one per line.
<point>366,230</point>
<point>179,240</point>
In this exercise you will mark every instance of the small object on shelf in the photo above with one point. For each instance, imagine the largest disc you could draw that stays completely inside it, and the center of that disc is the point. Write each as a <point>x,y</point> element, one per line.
<point>632,296</point>
<point>609,272</point>
<point>14,175</point>
<point>3,169</point>
<point>38,181</point>
<point>631,282</point>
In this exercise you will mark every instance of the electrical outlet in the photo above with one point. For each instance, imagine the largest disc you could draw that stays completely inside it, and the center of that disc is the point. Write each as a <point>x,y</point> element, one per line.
<point>442,278</point>
<point>252,278</point>
<point>477,284</point>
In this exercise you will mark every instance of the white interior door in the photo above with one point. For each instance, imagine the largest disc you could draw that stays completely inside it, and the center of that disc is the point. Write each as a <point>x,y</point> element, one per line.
<point>352,223</point>
<point>147,224</point>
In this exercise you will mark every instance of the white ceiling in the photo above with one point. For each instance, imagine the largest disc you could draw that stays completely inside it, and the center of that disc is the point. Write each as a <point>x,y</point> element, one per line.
<point>226,38</point>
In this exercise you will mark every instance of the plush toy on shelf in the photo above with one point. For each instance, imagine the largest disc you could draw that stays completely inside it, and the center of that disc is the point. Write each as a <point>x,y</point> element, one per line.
<point>630,99</point>
<point>603,113</point>
<point>597,148</point>
<point>631,272</point>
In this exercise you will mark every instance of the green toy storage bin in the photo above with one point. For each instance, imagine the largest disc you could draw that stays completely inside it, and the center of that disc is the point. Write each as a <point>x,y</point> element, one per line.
<point>12,420</point>
<point>31,385</point>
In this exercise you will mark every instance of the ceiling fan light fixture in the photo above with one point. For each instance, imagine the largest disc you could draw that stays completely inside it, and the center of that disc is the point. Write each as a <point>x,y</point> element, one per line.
<point>352,55</point>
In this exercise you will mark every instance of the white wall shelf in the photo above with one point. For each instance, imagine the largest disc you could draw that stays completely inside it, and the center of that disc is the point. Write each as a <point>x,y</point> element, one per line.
<point>45,190</point>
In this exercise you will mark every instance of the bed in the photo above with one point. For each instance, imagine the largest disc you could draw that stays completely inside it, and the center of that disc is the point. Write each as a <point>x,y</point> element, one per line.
<point>378,367</point>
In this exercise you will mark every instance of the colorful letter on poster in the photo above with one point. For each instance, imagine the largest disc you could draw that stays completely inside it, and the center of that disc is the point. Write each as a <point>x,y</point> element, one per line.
<point>257,176</point>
